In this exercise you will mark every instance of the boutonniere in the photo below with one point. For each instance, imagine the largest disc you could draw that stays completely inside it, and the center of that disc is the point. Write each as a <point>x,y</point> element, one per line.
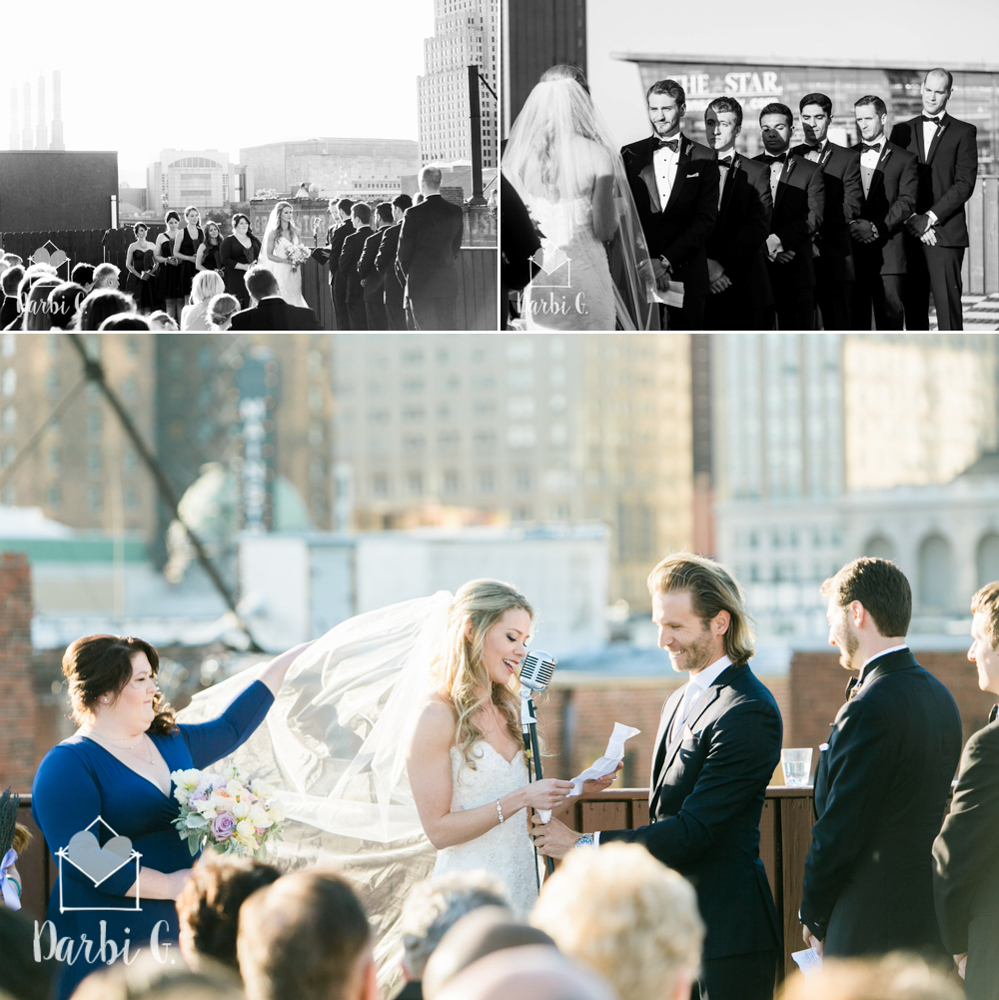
<point>825,156</point>
<point>885,153</point>
<point>790,167</point>
<point>698,174</point>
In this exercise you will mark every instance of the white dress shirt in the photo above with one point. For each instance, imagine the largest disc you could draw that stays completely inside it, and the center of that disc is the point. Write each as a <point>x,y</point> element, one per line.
<point>815,152</point>
<point>930,130</point>
<point>664,162</point>
<point>869,161</point>
<point>877,656</point>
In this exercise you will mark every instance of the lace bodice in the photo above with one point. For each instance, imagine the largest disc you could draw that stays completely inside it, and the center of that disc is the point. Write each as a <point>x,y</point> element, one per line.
<point>504,850</point>
<point>564,222</point>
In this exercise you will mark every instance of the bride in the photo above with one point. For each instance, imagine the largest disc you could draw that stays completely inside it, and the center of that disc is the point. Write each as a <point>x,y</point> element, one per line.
<point>280,235</point>
<point>595,272</point>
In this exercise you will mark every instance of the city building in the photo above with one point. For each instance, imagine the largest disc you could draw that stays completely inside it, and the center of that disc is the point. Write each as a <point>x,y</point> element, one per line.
<point>360,169</point>
<point>465,34</point>
<point>204,178</point>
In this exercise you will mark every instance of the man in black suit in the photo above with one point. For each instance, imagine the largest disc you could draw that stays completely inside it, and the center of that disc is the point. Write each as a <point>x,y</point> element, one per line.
<point>718,744</point>
<point>947,151</point>
<point>739,290</point>
<point>335,238</point>
<point>966,862</point>
<point>269,311</point>
<point>882,781</point>
<point>10,309</point>
<point>890,184</point>
<point>674,182</point>
<point>350,255</point>
<point>834,265</point>
<point>798,194</point>
<point>429,244</point>
<point>393,284</point>
<point>372,281</point>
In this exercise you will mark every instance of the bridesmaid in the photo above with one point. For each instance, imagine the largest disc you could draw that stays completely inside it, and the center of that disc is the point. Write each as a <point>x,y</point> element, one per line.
<point>209,258</point>
<point>185,248</point>
<point>239,253</point>
<point>140,261</point>
<point>167,292</point>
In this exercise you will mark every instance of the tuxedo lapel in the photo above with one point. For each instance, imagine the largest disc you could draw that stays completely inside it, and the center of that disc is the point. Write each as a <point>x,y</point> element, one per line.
<point>935,143</point>
<point>681,171</point>
<point>785,176</point>
<point>673,745</point>
<point>730,182</point>
<point>878,177</point>
<point>670,708</point>
<point>917,126</point>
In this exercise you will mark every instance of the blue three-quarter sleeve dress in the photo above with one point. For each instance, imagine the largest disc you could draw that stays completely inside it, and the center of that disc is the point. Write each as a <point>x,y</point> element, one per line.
<point>78,781</point>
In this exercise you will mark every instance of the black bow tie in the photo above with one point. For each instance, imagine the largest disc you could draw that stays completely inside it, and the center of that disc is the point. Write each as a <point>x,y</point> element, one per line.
<point>670,144</point>
<point>874,148</point>
<point>928,118</point>
<point>779,158</point>
<point>725,161</point>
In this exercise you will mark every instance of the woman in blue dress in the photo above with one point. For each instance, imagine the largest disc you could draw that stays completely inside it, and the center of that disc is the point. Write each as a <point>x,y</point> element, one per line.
<point>110,782</point>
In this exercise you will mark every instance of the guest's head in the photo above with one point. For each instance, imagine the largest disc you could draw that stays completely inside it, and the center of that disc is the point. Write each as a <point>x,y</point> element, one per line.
<point>64,301</point>
<point>431,179</point>
<point>115,676</point>
<point>32,275</point>
<point>21,977</point>
<point>776,126</point>
<point>666,105</point>
<point>205,285</point>
<point>12,259</point>
<point>893,977</point>
<point>36,306</point>
<point>419,198</point>
<point>816,114</point>
<point>83,275</point>
<point>700,613</point>
<point>722,123</point>
<point>11,279</point>
<point>360,215</point>
<point>485,930</point>
<point>160,320</point>
<point>261,282</point>
<point>208,906</point>
<point>101,303</point>
<point>435,905</point>
<point>171,219</point>
<point>213,232</point>
<point>383,211</point>
<point>221,309</point>
<point>628,916</point>
<point>146,978</point>
<point>241,224</point>
<point>106,276</point>
<point>936,90</point>
<point>306,936</point>
<point>139,230</point>
<point>867,601</point>
<point>872,116</point>
<point>3,265</point>
<point>126,321</point>
<point>401,203</point>
<point>564,71</point>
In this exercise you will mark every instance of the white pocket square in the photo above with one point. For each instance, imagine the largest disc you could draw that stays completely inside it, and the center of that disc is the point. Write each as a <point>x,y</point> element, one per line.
<point>698,174</point>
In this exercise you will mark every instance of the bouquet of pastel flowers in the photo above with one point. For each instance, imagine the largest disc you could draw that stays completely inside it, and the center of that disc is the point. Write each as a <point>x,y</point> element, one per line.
<point>297,253</point>
<point>226,812</point>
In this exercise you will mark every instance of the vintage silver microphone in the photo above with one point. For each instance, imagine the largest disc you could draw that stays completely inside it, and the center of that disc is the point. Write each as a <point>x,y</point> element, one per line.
<point>536,671</point>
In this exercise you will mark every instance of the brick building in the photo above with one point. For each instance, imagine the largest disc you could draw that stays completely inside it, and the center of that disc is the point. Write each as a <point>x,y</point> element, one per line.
<point>18,705</point>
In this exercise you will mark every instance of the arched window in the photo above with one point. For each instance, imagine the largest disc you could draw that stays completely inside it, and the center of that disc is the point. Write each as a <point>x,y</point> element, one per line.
<point>987,558</point>
<point>936,575</point>
<point>879,547</point>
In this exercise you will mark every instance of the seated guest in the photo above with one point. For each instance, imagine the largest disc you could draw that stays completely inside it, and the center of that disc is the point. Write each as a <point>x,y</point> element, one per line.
<point>21,977</point>
<point>10,310</point>
<point>796,187</point>
<point>162,320</point>
<point>36,314</point>
<point>99,304</point>
<point>208,906</point>
<point>13,260</point>
<point>146,978</point>
<point>306,937</point>
<point>894,977</point>
<point>629,917</point>
<point>83,275</point>
<point>353,246</point>
<point>64,303</point>
<point>221,309</point>
<point>371,279</point>
<point>10,878</point>
<point>205,285</point>
<point>126,321</point>
<point>393,283</point>
<point>106,276</point>
<point>269,311</point>
<point>32,275</point>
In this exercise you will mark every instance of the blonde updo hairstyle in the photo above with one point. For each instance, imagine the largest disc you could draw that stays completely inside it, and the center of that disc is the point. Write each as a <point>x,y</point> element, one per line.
<point>459,670</point>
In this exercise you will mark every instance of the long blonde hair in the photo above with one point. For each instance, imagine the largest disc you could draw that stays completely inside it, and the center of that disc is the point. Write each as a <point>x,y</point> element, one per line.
<point>458,668</point>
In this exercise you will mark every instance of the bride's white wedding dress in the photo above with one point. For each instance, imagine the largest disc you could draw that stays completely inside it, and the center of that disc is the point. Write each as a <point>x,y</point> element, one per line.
<point>506,850</point>
<point>289,277</point>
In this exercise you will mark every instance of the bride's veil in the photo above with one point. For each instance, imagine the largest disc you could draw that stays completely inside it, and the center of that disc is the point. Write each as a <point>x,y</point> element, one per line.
<point>335,742</point>
<point>540,160</point>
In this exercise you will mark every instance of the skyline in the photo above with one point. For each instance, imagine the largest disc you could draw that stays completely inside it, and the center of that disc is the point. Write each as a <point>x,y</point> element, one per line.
<point>103,107</point>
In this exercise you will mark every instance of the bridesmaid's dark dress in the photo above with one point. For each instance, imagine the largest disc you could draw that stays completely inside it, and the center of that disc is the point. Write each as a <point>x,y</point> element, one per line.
<point>168,283</point>
<point>142,291</point>
<point>187,270</point>
<point>78,780</point>
<point>212,258</point>
<point>232,253</point>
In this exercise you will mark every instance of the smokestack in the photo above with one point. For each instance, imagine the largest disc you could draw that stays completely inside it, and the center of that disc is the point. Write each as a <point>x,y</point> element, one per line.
<point>57,140</point>
<point>42,134</point>
<point>26,141</point>
<point>14,141</point>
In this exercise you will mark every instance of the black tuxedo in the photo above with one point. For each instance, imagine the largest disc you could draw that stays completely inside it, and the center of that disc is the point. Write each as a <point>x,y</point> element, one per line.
<point>394,286</point>
<point>274,313</point>
<point>705,801</point>
<point>966,871</point>
<point>880,791</point>
<point>372,282</point>
<point>738,244</point>
<point>337,282</point>
<point>947,173</point>
<point>799,207</point>
<point>834,267</point>
<point>890,200</point>
<point>350,255</point>
<point>9,311</point>
<point>680,232</point>
<point>429,244</point>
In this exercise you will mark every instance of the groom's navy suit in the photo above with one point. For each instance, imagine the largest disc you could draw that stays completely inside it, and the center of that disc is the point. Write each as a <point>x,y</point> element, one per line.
<point>705,800</point>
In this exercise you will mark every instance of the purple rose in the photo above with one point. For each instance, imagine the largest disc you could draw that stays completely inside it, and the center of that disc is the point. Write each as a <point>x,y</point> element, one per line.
<point>223,826</point>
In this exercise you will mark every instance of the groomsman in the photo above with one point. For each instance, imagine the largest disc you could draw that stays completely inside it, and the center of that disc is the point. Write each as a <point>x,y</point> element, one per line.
<point>353,246</point>
<point>834,265</point>
<point>739,291</point>
<point>882,781</point>
<point>947,151</point>
<point>799,201</point>
<point>966,874</point>
<point>393,283</point>
<point>372,281</point>
<point>338,284</point>
<point>890,186</point>
<point>674,182</point>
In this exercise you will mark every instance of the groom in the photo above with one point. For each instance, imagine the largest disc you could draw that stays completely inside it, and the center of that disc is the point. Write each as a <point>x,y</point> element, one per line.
<point>674,182</point>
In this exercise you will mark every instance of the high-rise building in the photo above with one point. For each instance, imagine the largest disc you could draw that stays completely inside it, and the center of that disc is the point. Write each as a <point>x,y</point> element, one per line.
<point>465,34</point>
<point>203,178</point>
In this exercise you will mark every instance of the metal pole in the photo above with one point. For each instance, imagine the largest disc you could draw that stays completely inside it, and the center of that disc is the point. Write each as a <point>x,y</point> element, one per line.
<point>475,121</point>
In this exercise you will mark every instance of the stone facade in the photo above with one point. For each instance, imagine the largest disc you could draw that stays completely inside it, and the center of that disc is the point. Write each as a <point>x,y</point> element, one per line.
<point>18,704</point>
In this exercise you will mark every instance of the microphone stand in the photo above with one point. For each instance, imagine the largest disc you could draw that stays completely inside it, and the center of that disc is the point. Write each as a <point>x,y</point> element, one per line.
<point>529,728</point>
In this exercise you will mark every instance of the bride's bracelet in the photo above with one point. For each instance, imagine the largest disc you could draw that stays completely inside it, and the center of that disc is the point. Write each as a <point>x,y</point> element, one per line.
<point>499,811</point>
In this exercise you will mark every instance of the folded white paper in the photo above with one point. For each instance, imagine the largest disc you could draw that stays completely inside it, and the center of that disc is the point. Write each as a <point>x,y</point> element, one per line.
<point>808,960</point>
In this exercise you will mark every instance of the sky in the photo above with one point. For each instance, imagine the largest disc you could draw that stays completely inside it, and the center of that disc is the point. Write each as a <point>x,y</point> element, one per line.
<point>915,32</point>
<point>247,73</point>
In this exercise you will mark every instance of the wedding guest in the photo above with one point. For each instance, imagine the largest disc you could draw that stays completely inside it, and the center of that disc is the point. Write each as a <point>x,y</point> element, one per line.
<point>338,283</point>
<point>206,284</point>
<point>221,309</point>
<point>13,260</point>
<point>186,244</point>
<point>10,310</point>
<point>140,262</point>
<point>149,977</point>
<point>238,253</point>
<point>895,977</point>
<point>64,303</point>
<point>37,315</point>
<point>168,284</point>
<point>269,311</point>
<point>21,977</point>
<point>353,246</point>
<point>160,320</point>
<point>10,878</point>
<point>99,305</point>
<point>107,275</point>
<point>208,906</point>
<point>125,321</point>
<point>429,244</point>
<point>209,253</point>
<point>393,284</point>
<point>306,936</point>
<point>34,274</point>
<point>83,275</point>
<point>371,280</point>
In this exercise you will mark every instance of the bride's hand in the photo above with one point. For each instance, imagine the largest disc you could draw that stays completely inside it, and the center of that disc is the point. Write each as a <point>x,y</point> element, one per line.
<point>549,793</point>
